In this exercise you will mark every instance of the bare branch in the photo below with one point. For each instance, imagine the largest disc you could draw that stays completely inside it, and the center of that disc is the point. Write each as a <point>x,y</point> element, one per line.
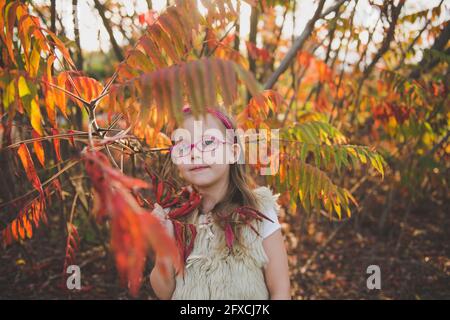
<point>298,43</point>
<point>101,11</point>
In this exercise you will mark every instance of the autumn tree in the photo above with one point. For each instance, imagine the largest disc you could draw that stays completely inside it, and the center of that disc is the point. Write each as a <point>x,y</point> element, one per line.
<point>72,141</point>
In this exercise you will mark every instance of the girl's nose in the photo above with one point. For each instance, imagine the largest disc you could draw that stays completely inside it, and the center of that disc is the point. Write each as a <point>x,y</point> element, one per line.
<point>194,152</point>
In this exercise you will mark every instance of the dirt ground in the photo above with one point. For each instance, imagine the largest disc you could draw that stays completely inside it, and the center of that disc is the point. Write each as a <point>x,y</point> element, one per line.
<point>328,260</point>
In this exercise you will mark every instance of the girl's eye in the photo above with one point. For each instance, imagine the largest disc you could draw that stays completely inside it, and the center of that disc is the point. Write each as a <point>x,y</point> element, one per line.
<point>181,149</point>
<point>208,143</point>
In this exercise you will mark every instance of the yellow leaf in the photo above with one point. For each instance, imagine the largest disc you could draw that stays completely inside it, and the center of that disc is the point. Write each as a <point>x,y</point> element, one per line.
<point>163,141</point>
<point>362,157</point>
<point>349,213</point>
<point>20,262</point>
<point>23,87</point>
<point>392,124</point>
<point>337,208</point>
<point>34,61</point>
<point>36,117</point>
<point>293,206</point>
<point>10,94</point>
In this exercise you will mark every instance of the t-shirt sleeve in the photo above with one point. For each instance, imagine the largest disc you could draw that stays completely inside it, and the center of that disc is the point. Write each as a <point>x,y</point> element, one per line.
<point>270,227</point>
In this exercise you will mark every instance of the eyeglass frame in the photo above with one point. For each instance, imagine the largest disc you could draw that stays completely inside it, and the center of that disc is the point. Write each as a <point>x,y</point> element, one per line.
<point>192,145</point>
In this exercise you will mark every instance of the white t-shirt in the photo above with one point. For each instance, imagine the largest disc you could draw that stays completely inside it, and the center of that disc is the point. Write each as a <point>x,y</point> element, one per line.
<point>270,227</point>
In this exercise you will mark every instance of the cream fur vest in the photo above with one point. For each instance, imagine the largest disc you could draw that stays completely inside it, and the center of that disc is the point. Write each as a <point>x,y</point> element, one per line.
<point>214,272</point>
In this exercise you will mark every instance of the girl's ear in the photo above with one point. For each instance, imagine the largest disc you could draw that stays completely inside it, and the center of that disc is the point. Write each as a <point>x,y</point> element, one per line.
<point>236,151</point>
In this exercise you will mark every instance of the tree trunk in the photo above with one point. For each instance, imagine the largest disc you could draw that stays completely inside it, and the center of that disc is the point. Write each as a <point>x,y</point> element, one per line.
<point>252,40</point>
<point>53,16</point>
<point>297,45</point>
<point>76,31</point>
<point>238,28</point>
<point>117,50</point>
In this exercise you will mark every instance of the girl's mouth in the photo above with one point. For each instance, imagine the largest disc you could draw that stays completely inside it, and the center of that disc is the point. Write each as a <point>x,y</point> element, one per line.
<point>198,168</point>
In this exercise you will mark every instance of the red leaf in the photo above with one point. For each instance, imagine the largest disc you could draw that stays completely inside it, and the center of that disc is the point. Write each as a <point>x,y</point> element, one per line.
<point>56,144</point>
<point>72,141</point>
<point>229,235</point>
<point>72,244</point>
<point>257,53</point>
<point>304,58</point>
<point>148,17</point>
<point>159,191</point>
<point>133,229</point>
<point>6,235</point>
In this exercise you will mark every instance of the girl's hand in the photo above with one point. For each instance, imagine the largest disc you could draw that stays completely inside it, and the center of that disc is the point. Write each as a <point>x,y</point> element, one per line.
<point>165,263</point>
<point>162,277</point>
<point>163,217</point>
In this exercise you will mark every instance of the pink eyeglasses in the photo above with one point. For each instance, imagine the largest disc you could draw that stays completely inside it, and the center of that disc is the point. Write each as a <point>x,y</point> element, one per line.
<point>207,143</point>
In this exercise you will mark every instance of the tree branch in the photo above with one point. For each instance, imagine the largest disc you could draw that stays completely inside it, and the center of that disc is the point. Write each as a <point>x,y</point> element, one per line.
<point>298,43</point>
<point>395,13</point>
<point>427,64</point>
<point>117,50</point>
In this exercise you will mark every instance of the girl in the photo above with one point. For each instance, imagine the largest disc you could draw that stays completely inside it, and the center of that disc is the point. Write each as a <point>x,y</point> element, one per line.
<point>254,266</point>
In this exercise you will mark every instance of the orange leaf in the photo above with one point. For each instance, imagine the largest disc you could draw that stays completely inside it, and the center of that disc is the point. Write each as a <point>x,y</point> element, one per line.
<point>56,144</point>
<point>30,170</point>
<point>304,58</point>
<point>20,229</point>
<point>36,117</point>
<point>60,45</point>
<point>14,230</point>
<point>60,96</point>
<point>38,149</point>
<point>10,14</point>
<point>257,53</point>
<point>50,106</point>
<point>27,227</point>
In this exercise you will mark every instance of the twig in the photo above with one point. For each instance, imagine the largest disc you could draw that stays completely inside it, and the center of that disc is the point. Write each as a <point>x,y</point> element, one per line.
<point>56,136</point>
<point>43,184</point>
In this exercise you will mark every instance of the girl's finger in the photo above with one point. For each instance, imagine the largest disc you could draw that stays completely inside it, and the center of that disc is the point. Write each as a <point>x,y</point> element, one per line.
<point>159,211</point>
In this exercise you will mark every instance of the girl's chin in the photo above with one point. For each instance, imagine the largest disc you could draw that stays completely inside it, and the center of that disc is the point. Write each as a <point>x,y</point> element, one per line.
<point>201,181</point>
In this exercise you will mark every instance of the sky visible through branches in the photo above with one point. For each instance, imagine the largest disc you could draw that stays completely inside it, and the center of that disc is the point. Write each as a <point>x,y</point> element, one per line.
<point>94,37</point>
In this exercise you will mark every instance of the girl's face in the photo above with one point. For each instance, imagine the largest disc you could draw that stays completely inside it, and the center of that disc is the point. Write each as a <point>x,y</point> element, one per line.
<point>208,167</point>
